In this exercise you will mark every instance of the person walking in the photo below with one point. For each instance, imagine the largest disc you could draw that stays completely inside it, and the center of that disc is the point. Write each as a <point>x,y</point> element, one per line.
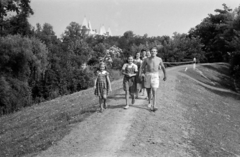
<point>102,86</point>
<point>143,56</point>
<point>138,62</point>
<point>150,67</point>
<point>129,70</point>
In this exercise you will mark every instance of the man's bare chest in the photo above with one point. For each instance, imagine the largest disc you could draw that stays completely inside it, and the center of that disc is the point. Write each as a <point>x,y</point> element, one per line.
<point>153,62</point>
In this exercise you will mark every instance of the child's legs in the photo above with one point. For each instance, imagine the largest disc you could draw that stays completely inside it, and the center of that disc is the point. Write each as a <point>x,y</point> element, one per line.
<point>126,89</point>
<point>127,96</point>
<point>143,91</point>
<point>105,100</point>
<point>138,89</point>
<point>132,87</point>
<point>100,103</point>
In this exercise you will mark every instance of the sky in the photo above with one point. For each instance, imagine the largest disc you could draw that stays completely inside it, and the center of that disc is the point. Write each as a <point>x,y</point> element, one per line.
<point>151,17</point>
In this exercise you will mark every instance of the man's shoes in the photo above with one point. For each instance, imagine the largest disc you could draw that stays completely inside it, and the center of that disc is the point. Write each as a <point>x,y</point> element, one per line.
<point>126,107</point>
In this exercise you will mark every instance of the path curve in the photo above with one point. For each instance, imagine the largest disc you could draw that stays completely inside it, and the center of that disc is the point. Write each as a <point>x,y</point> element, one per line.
<point>132,132</point>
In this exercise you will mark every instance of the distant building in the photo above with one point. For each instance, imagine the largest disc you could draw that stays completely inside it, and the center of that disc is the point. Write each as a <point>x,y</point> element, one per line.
<point>87,28</point>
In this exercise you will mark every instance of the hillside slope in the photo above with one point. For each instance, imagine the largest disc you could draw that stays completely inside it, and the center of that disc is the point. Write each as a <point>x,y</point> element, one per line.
<point>195,118</point>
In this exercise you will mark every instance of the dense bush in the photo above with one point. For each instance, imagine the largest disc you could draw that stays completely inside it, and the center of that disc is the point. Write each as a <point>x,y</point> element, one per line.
<point>117,63</point>
<point>22,61</point>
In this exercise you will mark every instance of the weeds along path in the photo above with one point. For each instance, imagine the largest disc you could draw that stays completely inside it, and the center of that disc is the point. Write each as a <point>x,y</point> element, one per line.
<point>132,132</point>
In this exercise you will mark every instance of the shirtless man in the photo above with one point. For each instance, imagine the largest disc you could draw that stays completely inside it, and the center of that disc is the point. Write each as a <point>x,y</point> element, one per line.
<point>151,66</point>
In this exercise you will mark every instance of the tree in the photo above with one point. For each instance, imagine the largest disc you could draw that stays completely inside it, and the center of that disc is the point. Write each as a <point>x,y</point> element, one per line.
<point>13,17</point>
<point>72,32</point>
<point>214,33</point>
<point>22,61</point>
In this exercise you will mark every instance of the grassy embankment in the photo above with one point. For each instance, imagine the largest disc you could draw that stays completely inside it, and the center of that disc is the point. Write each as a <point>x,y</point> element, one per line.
<point>36,128</point>
<point>214,115</point>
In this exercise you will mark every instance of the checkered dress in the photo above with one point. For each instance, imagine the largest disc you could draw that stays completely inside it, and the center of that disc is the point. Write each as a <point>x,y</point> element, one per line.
<point>102,86</point>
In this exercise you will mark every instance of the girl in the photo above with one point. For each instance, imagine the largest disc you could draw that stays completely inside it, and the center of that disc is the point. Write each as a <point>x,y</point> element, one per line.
<point>129,71</point>
<point>102,86</point>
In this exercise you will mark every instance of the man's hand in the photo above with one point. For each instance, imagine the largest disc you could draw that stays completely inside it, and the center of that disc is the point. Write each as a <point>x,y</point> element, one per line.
<point>164,78</point>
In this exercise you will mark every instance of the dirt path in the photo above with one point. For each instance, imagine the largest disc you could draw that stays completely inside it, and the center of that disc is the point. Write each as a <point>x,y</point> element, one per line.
<point>132,132</point>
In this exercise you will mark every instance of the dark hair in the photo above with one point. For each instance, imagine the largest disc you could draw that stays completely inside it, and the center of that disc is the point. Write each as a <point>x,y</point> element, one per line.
<point>143,50</point>
<point>137,53</point>
<point>126,61</point>
<point>102,63</point>
<point>153,48</point>
<point>130,56</point>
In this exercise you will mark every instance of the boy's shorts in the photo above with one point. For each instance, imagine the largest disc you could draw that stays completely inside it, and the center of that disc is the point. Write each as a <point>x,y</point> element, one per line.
<point>151,80</point>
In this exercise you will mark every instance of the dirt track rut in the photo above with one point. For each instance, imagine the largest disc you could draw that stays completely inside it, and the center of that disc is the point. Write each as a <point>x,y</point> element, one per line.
<point>132,132</point>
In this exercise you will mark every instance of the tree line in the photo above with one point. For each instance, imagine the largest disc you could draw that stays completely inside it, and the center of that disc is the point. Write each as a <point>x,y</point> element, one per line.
<point>36,65</point>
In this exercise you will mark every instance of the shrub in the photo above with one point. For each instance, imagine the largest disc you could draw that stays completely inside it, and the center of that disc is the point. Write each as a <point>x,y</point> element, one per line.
<point>117,63</point>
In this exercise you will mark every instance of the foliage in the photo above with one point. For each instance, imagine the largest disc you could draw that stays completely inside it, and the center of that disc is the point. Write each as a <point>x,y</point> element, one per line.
<point>13,17</point>
<point>23,60</point>
<point>36,65</point>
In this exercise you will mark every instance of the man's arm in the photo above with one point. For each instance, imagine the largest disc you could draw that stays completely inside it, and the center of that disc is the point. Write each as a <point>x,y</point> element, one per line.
<point>164,71</point>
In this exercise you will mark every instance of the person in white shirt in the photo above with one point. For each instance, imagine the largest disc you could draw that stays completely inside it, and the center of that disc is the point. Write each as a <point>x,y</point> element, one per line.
<point>129,70</point>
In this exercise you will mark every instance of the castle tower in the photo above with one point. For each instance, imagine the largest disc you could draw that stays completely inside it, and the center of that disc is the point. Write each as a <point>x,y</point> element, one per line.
<point>102,30</point>
<point>109,32</point>
<point>89,25</point>
<point>85,23</point>
<point>86,27</point>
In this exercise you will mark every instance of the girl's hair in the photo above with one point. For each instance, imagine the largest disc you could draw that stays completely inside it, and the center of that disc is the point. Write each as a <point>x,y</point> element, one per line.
<point>102,63</point>
<point>137,53</point>
<point>129,57</point>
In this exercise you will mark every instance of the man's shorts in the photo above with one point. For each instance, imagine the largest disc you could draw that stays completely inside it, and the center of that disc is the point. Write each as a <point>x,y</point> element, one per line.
<point>151,80</point>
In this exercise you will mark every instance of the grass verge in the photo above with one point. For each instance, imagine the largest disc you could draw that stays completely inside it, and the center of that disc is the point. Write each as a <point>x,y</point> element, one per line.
<point>214,75</point>
<point>213,115</point>
<point>36,128</point>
